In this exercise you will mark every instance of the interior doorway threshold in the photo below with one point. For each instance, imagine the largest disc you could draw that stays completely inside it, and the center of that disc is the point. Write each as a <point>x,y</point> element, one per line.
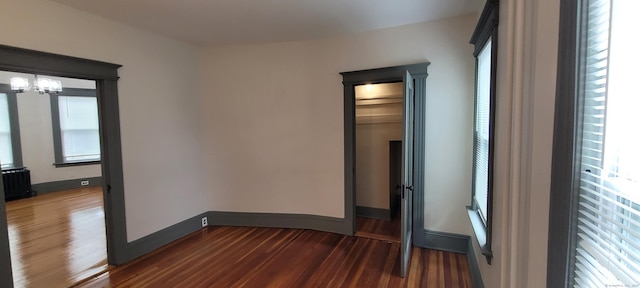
<point>374,236</point>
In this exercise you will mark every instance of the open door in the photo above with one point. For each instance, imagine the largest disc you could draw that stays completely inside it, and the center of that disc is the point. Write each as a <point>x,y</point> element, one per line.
<point>407,175</point>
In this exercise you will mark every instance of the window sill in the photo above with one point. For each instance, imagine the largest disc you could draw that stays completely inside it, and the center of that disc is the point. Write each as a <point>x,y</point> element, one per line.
<point>76,163</point>
<point>12,167</point>
<point>481,233</point>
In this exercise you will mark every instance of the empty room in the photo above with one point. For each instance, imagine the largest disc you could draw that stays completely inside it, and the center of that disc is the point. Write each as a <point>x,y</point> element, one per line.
<point>233,143</point>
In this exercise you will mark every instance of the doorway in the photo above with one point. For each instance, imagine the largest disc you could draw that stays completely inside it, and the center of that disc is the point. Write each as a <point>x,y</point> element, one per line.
<point>50,156</point>
<point>105,76</point>
<point>378,126</point>
<point>413,78</point>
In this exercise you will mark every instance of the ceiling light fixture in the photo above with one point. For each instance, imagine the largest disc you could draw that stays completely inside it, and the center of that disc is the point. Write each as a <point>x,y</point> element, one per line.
<point>42,85</point>
<point>19,84</point>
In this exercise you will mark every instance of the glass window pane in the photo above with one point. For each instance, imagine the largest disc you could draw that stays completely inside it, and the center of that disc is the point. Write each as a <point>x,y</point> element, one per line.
<point>482,128</point>
<point>79,128</point>
<point>622,156</point>
<point>607,244</point>
<point>6,150</point>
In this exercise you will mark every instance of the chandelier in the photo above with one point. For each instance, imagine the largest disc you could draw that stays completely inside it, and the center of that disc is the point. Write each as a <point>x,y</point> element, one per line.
<point>42,85</point>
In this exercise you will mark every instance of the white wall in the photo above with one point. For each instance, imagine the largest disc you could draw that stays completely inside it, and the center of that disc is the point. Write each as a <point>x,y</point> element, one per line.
<point>159,104</point>
<point>36,135</point>
<point>527,63</point>
<point>372,162</point>
<point>273,119</point>
<point>379,109</point>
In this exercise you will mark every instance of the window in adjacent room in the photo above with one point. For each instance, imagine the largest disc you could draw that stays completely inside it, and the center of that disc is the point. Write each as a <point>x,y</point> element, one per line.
<point>75,126</point>
<point>480,211</point>
<point>10,152</point>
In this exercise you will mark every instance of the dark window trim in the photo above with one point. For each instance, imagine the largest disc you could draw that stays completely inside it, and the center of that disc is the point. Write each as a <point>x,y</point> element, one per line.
<point>76,163</point>
<point>57,132</point>
<point>14,124</point>
<point>487,28</point>
<point>564,166</point>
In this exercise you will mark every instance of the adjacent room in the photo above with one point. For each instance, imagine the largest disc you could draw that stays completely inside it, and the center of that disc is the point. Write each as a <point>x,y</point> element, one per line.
<point>52,178</point>
<point>379,122</point>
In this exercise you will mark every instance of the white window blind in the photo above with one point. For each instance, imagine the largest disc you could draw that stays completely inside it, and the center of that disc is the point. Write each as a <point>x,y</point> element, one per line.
<point>607,240</point>
<point>481,147</point>
<point>79,128</point>
<point>6,150</point>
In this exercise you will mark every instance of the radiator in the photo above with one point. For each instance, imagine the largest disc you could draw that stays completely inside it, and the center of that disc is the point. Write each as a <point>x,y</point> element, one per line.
<point>17,183</point>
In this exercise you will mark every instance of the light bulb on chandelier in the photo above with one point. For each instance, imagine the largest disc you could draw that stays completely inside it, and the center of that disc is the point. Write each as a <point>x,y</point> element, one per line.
<point>42,85</point>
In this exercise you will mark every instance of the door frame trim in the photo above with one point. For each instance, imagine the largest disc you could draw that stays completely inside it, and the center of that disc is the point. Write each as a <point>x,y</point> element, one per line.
<point>385,75</point>
<point>106,77</point>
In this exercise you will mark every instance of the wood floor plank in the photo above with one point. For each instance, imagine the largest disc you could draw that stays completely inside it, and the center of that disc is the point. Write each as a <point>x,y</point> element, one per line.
<point>270,257</point>
<point>57,239</point>
<point>413,278</point>
<point>389,265</point>
<point>388,230</point>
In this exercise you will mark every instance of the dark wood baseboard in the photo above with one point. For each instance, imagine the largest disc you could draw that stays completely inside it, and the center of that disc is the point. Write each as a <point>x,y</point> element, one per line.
<point>279,220</point>
<point>370,212</point>
<point>55,186</point>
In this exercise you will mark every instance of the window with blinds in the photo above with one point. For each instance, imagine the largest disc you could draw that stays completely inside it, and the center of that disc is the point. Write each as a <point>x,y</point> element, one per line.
<point>79,128</point>
<point>485,52</point>
<point>481,145</point>
<point>607,233</point>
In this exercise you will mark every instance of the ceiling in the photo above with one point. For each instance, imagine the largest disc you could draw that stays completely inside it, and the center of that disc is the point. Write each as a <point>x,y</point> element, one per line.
<point>379,103</point>
<point>381,91</point>
<point>210,22</point>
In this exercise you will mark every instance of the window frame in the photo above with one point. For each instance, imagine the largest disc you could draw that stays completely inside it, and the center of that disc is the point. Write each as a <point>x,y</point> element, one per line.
<point>567,138</point>
<point>14,124</point>
<point>564,167</point>
<point>57,131</point>
<point>486,29</point>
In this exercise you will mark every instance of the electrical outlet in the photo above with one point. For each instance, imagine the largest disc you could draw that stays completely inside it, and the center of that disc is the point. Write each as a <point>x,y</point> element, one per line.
<point>84,183</point>
<point>205,222</point>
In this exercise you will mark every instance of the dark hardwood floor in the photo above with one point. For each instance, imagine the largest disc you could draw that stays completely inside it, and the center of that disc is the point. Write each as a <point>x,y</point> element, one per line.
<point>388,230</point>
<point>271,257</point>
<point>57,239</point>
